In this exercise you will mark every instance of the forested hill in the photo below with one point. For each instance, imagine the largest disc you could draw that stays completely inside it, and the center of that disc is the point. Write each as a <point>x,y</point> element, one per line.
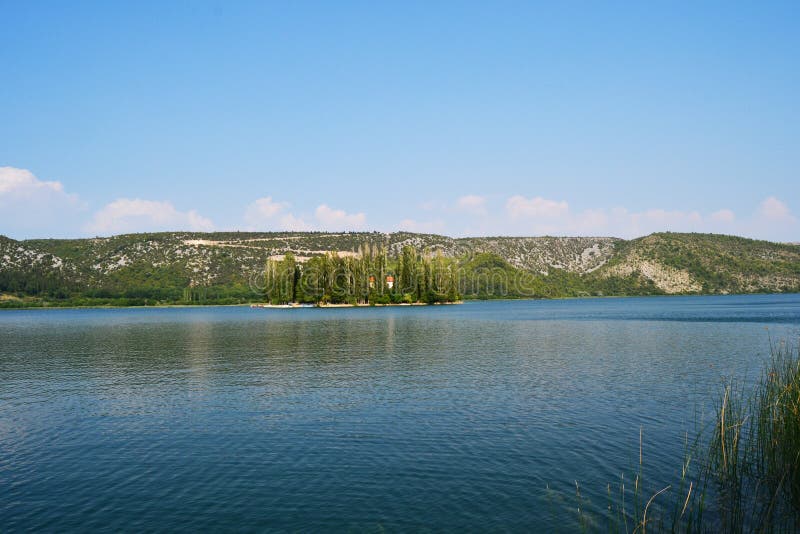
<point>176,267</point>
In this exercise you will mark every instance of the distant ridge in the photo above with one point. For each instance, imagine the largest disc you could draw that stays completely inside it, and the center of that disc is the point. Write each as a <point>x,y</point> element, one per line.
<point>158,267</point>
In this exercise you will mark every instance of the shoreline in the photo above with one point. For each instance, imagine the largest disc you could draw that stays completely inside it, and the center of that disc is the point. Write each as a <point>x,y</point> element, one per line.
<point>283,306</point>
<point>295,305</point>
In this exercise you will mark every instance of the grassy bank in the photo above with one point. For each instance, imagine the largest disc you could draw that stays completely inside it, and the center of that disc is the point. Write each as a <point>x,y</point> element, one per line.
<point>740,473</point>
<point>754,451</point>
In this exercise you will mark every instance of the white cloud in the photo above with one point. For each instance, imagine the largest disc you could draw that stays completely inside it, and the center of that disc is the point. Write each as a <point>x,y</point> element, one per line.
<point>333,219</point>
<point>723,216</point>
<point>22,182</point>
<point>30,207</point>
<point>290,222</point>
<point>430,205</point>
<point>772,219</point>
<point>136,215</point>
<point>519,207</point>
<point>268,214</point>
<point>660,220</point>
<point>519,215</point>
<point>422,227</point>
<point>473,204</point>
<point>542,216</point>
<point>773,209</point>
<point>264,208</point>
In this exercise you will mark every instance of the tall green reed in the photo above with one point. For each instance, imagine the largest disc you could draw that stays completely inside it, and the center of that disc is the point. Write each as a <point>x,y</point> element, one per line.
<point>739,474</point>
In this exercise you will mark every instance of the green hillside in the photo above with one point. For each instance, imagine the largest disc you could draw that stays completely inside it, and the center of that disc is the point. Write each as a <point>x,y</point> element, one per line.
<point>707,263</point>
<point>228,268</point>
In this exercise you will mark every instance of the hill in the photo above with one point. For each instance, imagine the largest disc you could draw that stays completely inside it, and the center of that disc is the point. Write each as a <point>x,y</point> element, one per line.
<point>707,263</point>
<point>225,267</point>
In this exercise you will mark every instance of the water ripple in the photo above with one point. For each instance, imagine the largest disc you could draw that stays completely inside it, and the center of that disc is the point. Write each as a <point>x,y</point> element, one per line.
<point>442,418</point>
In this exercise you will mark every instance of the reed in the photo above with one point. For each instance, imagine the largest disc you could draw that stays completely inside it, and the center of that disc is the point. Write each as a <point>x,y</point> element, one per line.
<point>739,474</point>
<point>633,508</point>
<point>754,455</point>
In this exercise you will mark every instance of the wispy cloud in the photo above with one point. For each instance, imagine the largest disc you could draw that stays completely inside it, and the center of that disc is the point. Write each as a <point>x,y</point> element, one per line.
<point>336,219</point>
<point>772,219</point>
<point>472,204</point>
<point>423,227</point>
<point>268,214</point>
<point>264,208</point>
<point>32,207</point>
<point>136,215</point>
<point>723,216</point>
<point>537,207</point>
<point>23,183</point>
<point>775,210</point>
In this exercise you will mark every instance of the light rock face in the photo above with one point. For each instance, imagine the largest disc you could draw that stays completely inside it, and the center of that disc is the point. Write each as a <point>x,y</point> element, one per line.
<point>206,257</point>
<point>575,254</point>
<point>15,255</point>
<point>668,279</point>
<point>675,263</point>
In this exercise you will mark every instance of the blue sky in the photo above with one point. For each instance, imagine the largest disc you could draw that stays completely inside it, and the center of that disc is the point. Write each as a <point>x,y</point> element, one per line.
<point>519,118</point>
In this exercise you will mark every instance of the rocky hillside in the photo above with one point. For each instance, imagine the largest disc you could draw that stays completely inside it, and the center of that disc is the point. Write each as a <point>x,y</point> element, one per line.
<point>163,266</point>
<point>207,259</point>
<point>707,263</point>
<point>538,254</point>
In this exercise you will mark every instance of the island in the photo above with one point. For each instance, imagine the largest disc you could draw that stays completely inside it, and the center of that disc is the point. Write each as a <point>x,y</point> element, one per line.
<point>377,268</point>
<point>366,277</point>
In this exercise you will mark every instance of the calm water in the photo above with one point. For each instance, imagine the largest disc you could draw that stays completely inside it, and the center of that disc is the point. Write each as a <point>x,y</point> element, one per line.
<point>362,419</point>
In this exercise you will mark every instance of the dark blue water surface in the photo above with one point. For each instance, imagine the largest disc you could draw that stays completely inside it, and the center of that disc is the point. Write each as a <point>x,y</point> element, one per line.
<point>369,419</point>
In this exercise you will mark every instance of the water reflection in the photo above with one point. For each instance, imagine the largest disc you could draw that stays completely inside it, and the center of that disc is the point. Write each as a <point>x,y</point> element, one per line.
<point>445,417</point>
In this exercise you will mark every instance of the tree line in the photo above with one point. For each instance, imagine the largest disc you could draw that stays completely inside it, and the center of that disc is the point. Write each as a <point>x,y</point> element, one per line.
<point>367,277</point>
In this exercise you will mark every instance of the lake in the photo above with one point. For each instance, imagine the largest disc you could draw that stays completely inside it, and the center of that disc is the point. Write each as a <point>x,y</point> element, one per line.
<point>479,416</point>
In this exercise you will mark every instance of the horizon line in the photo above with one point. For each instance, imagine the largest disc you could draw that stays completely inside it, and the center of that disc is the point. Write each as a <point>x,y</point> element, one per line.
<point>367,232</point>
